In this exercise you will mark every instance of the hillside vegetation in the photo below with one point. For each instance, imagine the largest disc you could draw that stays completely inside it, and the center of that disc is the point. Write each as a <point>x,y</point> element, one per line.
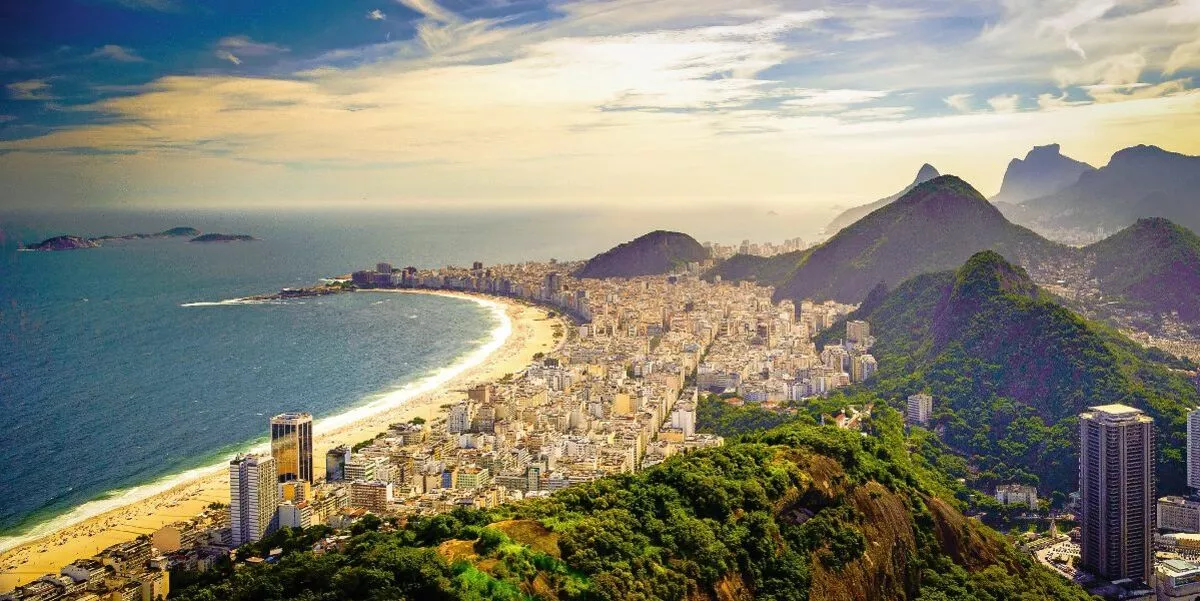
<point>1152,265</point>
<point>934,227</point>
<point>800,512</point>
<point>657,253</point>
<point>1010,370</point>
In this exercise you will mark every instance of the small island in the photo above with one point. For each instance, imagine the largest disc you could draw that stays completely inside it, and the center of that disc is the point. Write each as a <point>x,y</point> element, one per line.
<point>69,242</point>
<point>63,243</point>
<point>224,238</point>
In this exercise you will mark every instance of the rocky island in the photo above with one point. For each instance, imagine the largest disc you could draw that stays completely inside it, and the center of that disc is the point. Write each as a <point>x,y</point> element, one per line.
<point>75,242</point>
<point>223,238</point>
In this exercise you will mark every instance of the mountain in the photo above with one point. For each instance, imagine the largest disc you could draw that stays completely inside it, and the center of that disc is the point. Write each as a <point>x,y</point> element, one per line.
<point>1043,172</point>
<point>656,253</point>
<point>63,243</point>
<point>1010,370</point>
<point>798,513</point>
<point>768,271</point>
<point>935,226</point>
<point>924,174</point>
<point>1153,265</point>
<point>1141,181</point>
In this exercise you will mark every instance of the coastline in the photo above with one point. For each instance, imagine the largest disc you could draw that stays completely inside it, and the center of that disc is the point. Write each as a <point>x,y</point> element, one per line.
<point>523,330</point>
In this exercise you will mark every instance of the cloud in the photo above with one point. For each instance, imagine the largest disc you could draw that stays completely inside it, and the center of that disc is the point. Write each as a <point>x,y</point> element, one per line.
<point>1081,14</point>
<point>1122,69</point>
<point>1135,91</point>
<point>376,15</point>
<point>959,102</point>
<point>1051,102</point>
<point>236,49</point>
<point>33,89</point>
<point>430,10</point>
<point>116,53</point>
<point>1185,56</point>
<point>1005,103</point>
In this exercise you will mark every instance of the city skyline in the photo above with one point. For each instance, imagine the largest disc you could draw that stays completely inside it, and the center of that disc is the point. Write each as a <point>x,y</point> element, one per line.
<point>418,103</point>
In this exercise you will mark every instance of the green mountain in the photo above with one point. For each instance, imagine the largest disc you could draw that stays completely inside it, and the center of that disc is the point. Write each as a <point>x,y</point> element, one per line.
<point>845,218</point>
<point>1153,265</point>
<point>798,513</point>
<point>936,226</point>
<point>1010,371</point>
<point>768,271</point>
<point>656,253</point>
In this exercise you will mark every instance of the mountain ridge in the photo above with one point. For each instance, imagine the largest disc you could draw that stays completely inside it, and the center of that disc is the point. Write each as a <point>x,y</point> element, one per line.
<point>655,253</point>
<point>849,216</point>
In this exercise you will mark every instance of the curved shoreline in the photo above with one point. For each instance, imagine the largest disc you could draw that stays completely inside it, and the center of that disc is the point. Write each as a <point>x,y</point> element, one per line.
<point>522,330</point>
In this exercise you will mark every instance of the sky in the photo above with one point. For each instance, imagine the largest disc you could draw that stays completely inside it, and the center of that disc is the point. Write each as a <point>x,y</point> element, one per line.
<point>671,104</point>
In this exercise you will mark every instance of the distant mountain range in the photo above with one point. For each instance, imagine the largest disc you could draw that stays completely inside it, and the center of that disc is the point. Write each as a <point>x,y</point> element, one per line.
<point>1044,171</point>
<point>935,226</point>
<point>1009,369</point>
<point>1141,181</point>
<point>656,253</point>
<point>924,174</point>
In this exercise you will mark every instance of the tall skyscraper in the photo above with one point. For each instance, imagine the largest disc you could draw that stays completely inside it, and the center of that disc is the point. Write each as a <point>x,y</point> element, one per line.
<point>291,446</point>
<point>253,497</point>
<point>1193,449</point>
<point>1116,489</point>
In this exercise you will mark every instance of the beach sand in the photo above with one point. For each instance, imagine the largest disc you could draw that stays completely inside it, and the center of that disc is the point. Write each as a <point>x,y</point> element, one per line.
<point>532,332</point>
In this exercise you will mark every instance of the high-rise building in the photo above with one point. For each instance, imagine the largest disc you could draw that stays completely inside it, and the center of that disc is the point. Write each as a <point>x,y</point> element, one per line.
<point>1193,449</point>
<point>920,409</point>
<point>253,497</point>
<point>335,463</point>
<point>857,331</point>
<point>292,446</point>
<point>1116,489</point>
<point>1179,514</point>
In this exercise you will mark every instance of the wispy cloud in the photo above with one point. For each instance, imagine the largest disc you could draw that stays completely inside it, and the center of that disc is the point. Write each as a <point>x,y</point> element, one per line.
<point>959,102</point>
<point>376,15</point>
<point>430,9</point>
<point>236,49</point>
<point>33,89</point>
<point>1083,13</point>
<point>116,53</point>
<point>1005,103</point>
<point>1185,56</point>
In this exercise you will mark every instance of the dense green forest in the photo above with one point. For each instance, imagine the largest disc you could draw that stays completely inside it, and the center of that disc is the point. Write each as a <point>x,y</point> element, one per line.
<point>1010,370</point>
<point>797,512</point>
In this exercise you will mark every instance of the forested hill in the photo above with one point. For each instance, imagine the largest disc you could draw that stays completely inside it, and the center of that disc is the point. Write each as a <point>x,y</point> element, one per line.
<point>801,512</point>
<point>1010,370</point>
<point>936,226</point>
<point>656,253</point>
<point>1153,265</point>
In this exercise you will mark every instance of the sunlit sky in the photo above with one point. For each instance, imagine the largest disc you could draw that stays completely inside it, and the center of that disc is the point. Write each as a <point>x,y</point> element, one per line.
<point>621,103</point>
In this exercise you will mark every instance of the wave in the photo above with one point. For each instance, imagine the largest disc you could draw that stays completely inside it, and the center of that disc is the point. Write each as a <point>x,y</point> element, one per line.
<point>231,302</point>
<point>371,405</point>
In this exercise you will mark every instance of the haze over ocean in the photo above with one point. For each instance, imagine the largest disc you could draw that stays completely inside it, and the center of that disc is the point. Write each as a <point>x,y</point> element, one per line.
<point>104,370</point>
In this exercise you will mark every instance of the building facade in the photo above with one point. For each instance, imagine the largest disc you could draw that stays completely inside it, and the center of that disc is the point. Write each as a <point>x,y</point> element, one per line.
<point>1193,449</point>
<point>253,497</point>
<point>292,446</point>
<point>1179,514</point>
<point>1116,487</point>
<point>920,409</point>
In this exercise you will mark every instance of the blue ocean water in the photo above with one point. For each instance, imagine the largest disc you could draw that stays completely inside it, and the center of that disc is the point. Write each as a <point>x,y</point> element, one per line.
<point>108,382</point>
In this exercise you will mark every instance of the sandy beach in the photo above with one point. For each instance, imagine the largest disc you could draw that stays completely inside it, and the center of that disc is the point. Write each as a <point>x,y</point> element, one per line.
<point>532,331</point>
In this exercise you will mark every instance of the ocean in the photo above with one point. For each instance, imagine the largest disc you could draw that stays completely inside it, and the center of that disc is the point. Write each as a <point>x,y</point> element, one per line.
<point>120,367</point>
